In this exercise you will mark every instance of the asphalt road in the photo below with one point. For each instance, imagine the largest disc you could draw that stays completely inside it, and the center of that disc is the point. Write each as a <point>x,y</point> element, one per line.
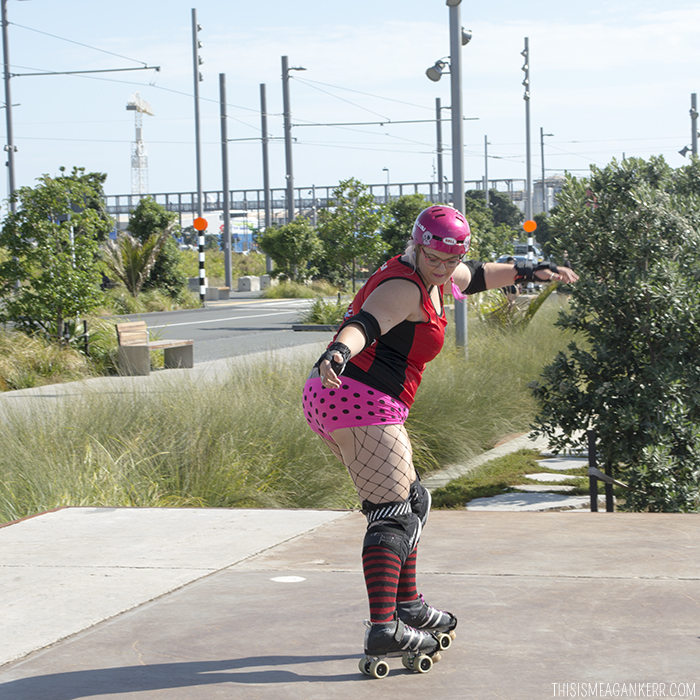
<point>237,327</point>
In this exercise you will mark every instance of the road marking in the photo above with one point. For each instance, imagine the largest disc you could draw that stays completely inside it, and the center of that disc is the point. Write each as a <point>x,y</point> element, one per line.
<point>221,320</point>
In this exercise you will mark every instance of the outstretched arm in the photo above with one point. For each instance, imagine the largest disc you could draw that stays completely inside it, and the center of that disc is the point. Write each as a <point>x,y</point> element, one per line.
<point>503,274</point>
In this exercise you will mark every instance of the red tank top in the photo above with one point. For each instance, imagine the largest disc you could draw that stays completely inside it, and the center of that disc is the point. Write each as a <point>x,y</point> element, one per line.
<point>395,362</point>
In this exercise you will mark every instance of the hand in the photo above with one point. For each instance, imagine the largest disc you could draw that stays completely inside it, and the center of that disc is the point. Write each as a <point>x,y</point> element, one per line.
<point>329,378</point>
<point>564,275</point>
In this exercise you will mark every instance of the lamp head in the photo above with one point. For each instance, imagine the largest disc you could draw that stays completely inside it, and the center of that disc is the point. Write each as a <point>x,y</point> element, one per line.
<point>466,36</point>
<point>452,3</point>
<point>684,151</point>
<point>435,72</point>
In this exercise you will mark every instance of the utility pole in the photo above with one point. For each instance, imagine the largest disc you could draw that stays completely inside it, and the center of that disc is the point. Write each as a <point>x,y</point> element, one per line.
<point>198,77</point>
<point>486,170</point>
<point>288,135</point>
<point>266,167</point>
<point>438,127</point>
<point>526,96</point>
<point>10,146</point>
<point>693,123</point>
<point>225,182</point>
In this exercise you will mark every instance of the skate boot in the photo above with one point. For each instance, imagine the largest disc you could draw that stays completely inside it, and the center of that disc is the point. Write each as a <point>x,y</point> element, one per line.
<point>418,650</point>
<point>422,616</point>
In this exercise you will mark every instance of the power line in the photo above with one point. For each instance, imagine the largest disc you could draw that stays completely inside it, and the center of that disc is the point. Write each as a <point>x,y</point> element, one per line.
<point>367,94</point>
<point>71,41</point>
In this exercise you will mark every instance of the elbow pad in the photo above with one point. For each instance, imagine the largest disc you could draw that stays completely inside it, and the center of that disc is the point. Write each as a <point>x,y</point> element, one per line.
<point>368,324</point>
<point>478,281</point>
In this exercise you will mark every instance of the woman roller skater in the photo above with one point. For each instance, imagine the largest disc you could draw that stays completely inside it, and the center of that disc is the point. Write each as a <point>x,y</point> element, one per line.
<point>357,398</point>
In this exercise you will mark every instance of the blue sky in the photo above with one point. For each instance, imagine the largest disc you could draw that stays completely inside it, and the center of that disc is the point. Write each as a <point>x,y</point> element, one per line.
<point>607,78</point>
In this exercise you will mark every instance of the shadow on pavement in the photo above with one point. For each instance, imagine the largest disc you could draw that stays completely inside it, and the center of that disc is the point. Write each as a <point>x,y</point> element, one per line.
<point>129,679</point>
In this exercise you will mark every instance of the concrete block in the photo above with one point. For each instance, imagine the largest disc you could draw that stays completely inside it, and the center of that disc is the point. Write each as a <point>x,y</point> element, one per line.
<point>249,283</point>
<point>134,360</point>
<point>211,294</point>
<point>224,293</point>
<point>266,282</point>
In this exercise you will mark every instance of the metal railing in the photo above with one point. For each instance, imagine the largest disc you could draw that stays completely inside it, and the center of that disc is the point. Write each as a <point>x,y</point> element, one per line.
<point>307,201</point>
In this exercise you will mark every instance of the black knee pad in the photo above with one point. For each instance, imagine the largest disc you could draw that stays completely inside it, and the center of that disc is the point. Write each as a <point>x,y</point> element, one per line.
<point>420,500</point>
<point>393,526</point>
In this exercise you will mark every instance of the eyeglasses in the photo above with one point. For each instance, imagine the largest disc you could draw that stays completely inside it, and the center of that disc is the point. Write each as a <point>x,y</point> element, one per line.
<point>434,261</point>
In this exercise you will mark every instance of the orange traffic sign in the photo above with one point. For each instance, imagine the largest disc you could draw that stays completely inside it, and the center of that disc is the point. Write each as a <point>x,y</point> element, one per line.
<point>530,225</point>
<point>200,224</point>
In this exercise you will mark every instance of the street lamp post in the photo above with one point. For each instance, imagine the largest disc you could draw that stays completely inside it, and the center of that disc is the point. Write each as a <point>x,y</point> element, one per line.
<point>458,38</point>
<point>386,187</point>
<point>461,332</point>
<point>288,135</point>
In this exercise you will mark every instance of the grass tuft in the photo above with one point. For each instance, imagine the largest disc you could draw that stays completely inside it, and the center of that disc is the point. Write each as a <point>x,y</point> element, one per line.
<point>242,441</point>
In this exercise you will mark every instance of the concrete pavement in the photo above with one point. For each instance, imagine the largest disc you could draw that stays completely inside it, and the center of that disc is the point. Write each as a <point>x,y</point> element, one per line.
<point>269,604</point>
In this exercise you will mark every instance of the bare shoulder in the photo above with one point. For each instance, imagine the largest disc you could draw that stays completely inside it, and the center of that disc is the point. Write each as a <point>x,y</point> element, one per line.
<point>394,301</point>
<point>462,276</point>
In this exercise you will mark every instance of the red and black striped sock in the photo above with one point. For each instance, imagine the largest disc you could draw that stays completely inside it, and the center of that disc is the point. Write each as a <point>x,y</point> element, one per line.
<point>407,590</point>
<point>382,568</point>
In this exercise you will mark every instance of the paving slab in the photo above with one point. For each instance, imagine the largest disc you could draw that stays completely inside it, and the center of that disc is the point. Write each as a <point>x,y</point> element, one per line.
<point>544,476</point>
<point>543,488</point>
<point>533,501</point>
<point>547,602</point>
<point>563,463</point>
<point>64,571</point>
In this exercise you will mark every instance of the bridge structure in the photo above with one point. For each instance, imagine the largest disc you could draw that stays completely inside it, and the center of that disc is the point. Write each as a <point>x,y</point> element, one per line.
<point>247,207</point>
<point>250,203</point>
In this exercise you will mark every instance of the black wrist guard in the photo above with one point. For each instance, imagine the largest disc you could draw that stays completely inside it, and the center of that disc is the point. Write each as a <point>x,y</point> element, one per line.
<point>333,348</point>
<point>525,271</point>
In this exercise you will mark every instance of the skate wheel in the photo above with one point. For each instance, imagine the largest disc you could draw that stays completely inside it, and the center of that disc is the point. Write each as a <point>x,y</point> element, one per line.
<point>444,640</point>
<point>436,657</point>
<point>453,635</point>
<point>422,664</point>
<point>407,662</point>
<point>364,665</point>
<point>379,669</point>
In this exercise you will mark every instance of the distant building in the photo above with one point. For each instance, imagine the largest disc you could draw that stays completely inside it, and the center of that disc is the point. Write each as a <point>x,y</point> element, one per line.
<point>552,187</point>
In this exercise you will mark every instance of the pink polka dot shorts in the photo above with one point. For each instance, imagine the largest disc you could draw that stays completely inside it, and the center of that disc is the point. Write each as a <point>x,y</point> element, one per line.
<point>353,403</point>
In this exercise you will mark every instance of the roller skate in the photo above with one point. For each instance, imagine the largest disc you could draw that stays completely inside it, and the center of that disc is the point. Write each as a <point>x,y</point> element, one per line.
<point>426,618</point>
<point>418,650</point>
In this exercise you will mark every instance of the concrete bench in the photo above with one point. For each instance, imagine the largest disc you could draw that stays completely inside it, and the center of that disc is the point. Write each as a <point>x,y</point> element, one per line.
<point>134,350</point>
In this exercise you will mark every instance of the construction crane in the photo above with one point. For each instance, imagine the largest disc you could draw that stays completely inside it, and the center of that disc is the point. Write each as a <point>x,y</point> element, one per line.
<point>139,159</point>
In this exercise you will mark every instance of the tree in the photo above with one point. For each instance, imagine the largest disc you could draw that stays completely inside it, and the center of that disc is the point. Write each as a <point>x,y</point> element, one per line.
<point>53,274</point>
<point>632,231</point>
<point>94,197</point>
<point>292,248</point>
<point>501,207</point>
<point>489,239</point>
<point>167,272</point>
<point>400,215</point>
<point>350,231</point>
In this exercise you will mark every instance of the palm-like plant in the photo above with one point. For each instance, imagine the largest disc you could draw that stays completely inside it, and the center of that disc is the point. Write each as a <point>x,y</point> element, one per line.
<point>132,261</point>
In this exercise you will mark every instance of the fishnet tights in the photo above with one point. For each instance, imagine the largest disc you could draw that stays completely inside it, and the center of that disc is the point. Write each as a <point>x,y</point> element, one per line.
<point>379,459</point>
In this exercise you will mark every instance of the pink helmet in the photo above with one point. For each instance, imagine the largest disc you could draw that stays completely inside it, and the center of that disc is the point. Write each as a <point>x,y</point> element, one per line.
<point>442,228</point>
